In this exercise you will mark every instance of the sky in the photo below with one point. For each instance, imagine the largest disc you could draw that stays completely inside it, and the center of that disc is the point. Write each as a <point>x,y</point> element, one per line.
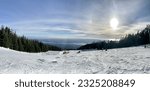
<point>87,19</point>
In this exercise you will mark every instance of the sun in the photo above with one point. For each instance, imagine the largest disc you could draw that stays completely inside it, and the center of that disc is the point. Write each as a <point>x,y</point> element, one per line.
<point>114,23</point>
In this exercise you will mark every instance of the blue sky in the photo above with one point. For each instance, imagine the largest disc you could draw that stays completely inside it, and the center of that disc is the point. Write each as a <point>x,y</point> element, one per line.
<point>74,18</point>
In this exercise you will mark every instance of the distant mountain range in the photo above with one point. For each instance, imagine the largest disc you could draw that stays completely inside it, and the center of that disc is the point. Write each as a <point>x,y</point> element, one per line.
<point>68,43</point>
<point>140,38</point>
<point>10,39</point>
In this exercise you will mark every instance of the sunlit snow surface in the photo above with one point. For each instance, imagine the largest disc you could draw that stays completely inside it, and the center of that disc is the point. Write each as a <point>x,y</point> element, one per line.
<point>134,60</point>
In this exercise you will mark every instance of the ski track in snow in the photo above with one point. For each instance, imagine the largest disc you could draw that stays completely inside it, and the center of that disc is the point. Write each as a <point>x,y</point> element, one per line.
<point>133,60</point>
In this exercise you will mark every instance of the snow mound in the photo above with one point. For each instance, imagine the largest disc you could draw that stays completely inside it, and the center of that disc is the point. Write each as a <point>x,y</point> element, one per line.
<point>133,60</point>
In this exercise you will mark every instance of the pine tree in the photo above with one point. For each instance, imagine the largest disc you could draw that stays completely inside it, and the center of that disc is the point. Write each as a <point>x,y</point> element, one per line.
<point>10,40</point>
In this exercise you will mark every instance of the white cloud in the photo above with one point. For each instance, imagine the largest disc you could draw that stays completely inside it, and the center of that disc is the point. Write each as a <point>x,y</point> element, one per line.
<point>93,22</point>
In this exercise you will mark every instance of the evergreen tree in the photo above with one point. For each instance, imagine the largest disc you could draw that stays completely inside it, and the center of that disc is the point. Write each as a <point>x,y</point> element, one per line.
<point>10,40</point>
<point>140,38</point>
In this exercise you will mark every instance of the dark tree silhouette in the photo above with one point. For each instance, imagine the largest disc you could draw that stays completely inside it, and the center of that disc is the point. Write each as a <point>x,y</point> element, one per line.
<point>10,40</point>
<point>140,38</point>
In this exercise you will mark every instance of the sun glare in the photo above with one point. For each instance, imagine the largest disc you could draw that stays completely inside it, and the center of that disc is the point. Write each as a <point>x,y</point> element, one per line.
<point>114,23</point>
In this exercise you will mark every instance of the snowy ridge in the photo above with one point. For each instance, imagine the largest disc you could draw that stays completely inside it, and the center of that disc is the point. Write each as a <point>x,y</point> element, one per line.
<point>115,61</point>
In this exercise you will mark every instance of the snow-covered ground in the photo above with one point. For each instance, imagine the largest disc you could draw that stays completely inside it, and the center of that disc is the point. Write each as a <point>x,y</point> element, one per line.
<point>115,61</point>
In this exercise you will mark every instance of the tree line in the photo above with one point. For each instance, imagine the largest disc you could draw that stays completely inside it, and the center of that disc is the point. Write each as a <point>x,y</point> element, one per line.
<point>9,39</point>
<point>140,38</point>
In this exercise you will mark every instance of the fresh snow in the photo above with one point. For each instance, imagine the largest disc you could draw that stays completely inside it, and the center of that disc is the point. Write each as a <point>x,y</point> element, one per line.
<point>133,60</point>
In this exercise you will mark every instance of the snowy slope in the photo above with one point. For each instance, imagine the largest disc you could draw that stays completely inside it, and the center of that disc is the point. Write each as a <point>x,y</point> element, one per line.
<point>115,61</point>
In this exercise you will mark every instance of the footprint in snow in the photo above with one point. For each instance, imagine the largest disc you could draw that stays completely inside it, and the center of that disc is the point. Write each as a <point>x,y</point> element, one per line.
<point>41,60</point>
<point>54,62</point>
